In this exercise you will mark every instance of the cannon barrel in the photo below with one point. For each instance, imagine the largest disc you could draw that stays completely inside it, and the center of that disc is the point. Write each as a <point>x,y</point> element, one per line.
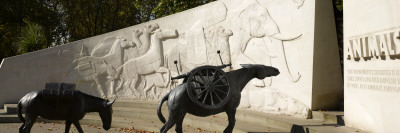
<point>179,77</point>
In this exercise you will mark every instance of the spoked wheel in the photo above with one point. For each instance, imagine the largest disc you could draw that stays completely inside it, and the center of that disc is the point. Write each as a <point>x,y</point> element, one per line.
<point>208,87</point>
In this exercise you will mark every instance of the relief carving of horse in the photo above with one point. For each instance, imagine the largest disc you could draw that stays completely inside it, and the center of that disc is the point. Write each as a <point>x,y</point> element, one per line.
<point>92,68</point>
<point>149,63</point>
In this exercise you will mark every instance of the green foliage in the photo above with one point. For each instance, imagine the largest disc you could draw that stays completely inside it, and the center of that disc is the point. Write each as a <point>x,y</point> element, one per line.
<point>144,9</point>
<point>168,7</point>
<point>32,38</point>
<point>64,21</point>
<point>7,38</point>
<point>339,5</point>
<point>86,18</point>
<point>14,15</point>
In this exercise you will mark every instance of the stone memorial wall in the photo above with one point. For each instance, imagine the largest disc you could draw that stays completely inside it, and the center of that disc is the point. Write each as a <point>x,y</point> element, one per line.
<point>136,63</point>
<point>372,65</point>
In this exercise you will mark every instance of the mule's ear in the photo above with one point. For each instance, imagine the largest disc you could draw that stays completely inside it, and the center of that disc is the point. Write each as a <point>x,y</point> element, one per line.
<point>246,65</point>
<point>110,103</point>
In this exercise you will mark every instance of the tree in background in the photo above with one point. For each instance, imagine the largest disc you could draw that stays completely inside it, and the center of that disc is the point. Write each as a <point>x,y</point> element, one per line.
<point>339,4</point>
<point>15,15</point>
<point>338,12</point>
<point>87,18</point>
<point>32,38</point>
<point>65,21</point>
<point>168,7</point>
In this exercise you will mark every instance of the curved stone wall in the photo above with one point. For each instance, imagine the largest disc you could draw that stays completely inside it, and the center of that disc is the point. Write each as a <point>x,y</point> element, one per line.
<point>296,36</point>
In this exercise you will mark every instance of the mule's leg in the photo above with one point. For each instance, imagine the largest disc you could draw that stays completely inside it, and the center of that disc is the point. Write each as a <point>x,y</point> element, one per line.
<point>153,88</point>
<point>111,91</point>
<point>172,120</point>
<point>122,82</point>
<point>67,126</point>
<point>99,86</point>
<point>232,120</point>
<point>133,87</point>
<point>78,126</point>
<point>147,89</point>
<point>21,128</point>
<point>179,121</point>
<point>30,120</point>
<point>167,125</point>
<point>164,82</point>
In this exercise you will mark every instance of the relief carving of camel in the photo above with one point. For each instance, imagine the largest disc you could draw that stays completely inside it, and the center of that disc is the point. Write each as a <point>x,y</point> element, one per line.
<point>141,39</point>
<point>144,45</point>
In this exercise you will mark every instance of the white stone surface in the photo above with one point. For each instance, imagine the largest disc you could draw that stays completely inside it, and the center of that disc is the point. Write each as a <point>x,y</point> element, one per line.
<point>372,85</point>
<point>296,36</point>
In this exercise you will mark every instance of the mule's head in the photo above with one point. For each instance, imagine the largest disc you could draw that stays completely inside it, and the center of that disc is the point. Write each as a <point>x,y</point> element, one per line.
<point>262,71</point>
<point>106,114</point>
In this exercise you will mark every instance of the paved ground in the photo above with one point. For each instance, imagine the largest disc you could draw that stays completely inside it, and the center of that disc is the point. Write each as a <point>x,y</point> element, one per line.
<point>139,114</point>
<point>59,128</point>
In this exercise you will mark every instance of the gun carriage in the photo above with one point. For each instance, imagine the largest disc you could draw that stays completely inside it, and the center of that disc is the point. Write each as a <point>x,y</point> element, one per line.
<point>207,85</point>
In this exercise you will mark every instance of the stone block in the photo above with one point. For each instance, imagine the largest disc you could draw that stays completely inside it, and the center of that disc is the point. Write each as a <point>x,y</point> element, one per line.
<point>371,65</point>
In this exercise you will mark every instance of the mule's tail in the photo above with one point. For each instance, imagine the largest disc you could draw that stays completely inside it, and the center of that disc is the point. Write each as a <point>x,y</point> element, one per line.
<point>159,113</point>
<point>19,112</point>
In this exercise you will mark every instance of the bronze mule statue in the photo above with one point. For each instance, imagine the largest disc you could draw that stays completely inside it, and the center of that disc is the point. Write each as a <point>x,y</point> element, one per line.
<point>179,103</point>
<point>35,104</point>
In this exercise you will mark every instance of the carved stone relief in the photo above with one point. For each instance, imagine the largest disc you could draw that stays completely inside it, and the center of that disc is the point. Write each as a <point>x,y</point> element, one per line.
<point>253,21</point>
<point>93,67</point>
<point>141,38</point>
<point>252,25</point>
<point>150,63</point>
<point>298,3</point>
<point>137,62</point>
<point>212,40</point>
<point>272,101</point>
<point>144,72</point>
<point>108,67</point>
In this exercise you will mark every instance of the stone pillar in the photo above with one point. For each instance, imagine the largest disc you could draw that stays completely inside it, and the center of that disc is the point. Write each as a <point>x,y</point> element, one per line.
<point>372,65</point>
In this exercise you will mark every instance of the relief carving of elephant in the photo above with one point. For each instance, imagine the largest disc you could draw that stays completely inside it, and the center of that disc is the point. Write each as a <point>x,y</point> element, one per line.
<point>251,20</point>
